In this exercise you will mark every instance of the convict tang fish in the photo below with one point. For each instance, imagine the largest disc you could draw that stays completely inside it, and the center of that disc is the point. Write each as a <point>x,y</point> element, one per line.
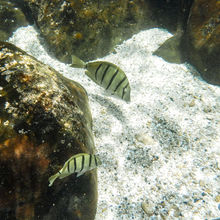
<point>107,75</point>
<point>79,163</point>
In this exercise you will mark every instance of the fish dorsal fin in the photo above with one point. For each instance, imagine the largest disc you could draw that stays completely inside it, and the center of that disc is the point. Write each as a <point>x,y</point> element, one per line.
<point>77,62</point>
<point>71,158</point>
<point>76,155</point>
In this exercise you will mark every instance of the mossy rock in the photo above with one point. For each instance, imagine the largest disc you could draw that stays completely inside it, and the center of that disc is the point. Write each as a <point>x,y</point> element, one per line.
<point>44,120</point>
<point>203,39</point>
<point>88,29</point>
<point>11,17</point>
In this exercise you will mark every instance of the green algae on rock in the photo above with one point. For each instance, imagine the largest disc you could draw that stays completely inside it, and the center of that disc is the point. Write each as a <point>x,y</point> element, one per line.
<point>197,40</point>
<point>11,17</point>
<point>203,39</point>
<point>44,120</point>
<point>88,29</point>
<point>172,50</point>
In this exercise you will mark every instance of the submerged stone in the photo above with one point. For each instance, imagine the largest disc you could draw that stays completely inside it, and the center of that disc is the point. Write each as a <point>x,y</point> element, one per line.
<point>203,39</point>
<point>170,50</point>
<point>44,120</point>
<point>197,40</point>
<point>88,29</point>
<point>11,17</point>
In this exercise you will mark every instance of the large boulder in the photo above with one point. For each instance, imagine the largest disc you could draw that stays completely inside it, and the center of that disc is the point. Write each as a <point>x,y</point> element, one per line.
<point>11,17</point>
<point>44,120</point>
<point>88,29</point>
<point>197,39</point>
<point>203,39</point>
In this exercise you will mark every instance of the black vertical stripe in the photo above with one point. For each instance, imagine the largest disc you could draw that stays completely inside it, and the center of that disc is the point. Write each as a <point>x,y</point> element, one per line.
<point>96,72</point>
<point>123,92</point>
<point>110,82</point>
<point>120,83</point>
<point>83,160</point>
<point>96,163</point>
<point>68,166</point>
<point>90,160</point>
<point>74,164</point>
<point>106,70</point>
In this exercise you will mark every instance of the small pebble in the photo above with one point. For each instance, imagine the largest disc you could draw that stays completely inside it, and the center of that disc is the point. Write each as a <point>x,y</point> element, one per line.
<point>145,139</point>
<point>147,208</point>
<point>217,198</point>
<point>192,103</point>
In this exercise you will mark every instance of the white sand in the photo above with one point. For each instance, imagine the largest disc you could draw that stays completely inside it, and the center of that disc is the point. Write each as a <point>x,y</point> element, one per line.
<point>163,148</point>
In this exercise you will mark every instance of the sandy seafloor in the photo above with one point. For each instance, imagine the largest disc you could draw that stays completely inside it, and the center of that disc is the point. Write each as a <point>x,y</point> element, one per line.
<point>162,148</point>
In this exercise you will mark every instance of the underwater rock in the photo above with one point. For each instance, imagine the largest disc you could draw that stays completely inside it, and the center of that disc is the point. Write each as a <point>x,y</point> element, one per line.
<point>170,14</point>
<point>197,39</point>
<point>172,50</point>
<point>11,17</point>
<point>203,39</point>
<point>88,29</point>
<point>44,120</point>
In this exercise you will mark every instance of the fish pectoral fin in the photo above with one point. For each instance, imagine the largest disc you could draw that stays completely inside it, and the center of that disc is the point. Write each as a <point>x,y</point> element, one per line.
<point>64,175</point>
<point>80,173</point>
<point>52,179</point>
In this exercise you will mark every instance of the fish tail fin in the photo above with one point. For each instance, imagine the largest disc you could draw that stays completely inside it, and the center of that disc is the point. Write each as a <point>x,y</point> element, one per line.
<point>52,179</point>
<point>77,63</point>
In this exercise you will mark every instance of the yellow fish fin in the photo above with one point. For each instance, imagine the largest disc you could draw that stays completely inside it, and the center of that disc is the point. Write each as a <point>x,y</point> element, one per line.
<point>81,173</point>
<point>52,179</point>
<point>64,175</point>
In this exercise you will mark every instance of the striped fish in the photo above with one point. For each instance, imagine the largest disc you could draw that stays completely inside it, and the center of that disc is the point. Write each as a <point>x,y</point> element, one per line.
<point>107,75</point>
<point>79,163</point>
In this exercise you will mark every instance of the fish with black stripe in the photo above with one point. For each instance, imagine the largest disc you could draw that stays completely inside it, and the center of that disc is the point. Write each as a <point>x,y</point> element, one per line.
<point>107,75</point>
<point>79,163</point>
